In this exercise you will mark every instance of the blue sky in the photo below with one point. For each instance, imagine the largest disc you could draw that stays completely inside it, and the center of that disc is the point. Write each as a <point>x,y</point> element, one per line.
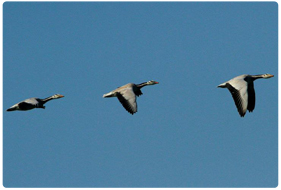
<point>186,133</point>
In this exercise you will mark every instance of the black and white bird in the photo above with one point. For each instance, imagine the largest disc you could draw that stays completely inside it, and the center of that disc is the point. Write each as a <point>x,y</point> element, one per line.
<point>243,92</point>
<point>128,93</point>
<point>31,103</point>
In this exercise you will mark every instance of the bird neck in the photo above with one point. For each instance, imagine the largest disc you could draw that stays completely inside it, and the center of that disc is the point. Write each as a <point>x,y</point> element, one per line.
<point>142,84</point>
<point>47,99</point>
<point>256,77</point>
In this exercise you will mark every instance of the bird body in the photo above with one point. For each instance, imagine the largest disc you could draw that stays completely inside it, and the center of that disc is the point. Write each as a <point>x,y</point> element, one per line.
<point>31,103</point>
<point>127,95</point>
<point>242,91</point>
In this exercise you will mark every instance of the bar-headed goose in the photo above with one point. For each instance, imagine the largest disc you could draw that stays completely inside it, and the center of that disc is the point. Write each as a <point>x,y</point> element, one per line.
<point>31,103</point>
<point>243,92</point>
<point>127,95</point>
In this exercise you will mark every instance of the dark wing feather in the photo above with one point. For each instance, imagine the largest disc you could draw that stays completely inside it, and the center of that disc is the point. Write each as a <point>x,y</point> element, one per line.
<point>137,90</point>
<point>26,106</point>
<point>251,97</point>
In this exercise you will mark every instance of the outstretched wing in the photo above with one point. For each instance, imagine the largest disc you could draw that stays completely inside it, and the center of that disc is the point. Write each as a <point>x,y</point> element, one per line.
<point>128,100</point>
<point>240,97</point>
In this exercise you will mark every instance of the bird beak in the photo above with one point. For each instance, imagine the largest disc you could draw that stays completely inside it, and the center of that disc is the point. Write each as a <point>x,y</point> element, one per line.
<point>61,96</point>
<point>271,76</point>
<point>156,82</point>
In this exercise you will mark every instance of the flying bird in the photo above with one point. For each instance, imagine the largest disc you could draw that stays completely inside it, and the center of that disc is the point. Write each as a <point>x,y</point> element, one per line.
<point>128,93</point>
<point>31,103</point>
<point>243,92</point>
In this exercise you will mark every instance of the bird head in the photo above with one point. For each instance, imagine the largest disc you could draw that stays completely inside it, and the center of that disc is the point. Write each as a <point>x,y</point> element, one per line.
<point>152,82</point>
<point>266,76</point>
<point>56,96</point>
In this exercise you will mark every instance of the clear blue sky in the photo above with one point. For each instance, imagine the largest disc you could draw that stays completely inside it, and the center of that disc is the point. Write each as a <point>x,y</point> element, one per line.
<point>186,133</point>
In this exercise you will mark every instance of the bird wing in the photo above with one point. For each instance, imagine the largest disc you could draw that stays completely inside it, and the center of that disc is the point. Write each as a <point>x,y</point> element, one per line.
<point>33,101</point>
<point>239,92</point>
<point>127,98</point>
<point>25,104</point>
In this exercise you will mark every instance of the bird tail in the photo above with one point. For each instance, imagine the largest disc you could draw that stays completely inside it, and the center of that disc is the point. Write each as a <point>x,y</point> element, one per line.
<point>108,95</point>
<point>12,109</point>
<point>223,85</point>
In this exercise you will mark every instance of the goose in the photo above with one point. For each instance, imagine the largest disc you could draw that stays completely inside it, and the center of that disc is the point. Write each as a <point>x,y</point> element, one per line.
<point>127,94</point>
<point>242,91</point>
<point>31,103</point>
